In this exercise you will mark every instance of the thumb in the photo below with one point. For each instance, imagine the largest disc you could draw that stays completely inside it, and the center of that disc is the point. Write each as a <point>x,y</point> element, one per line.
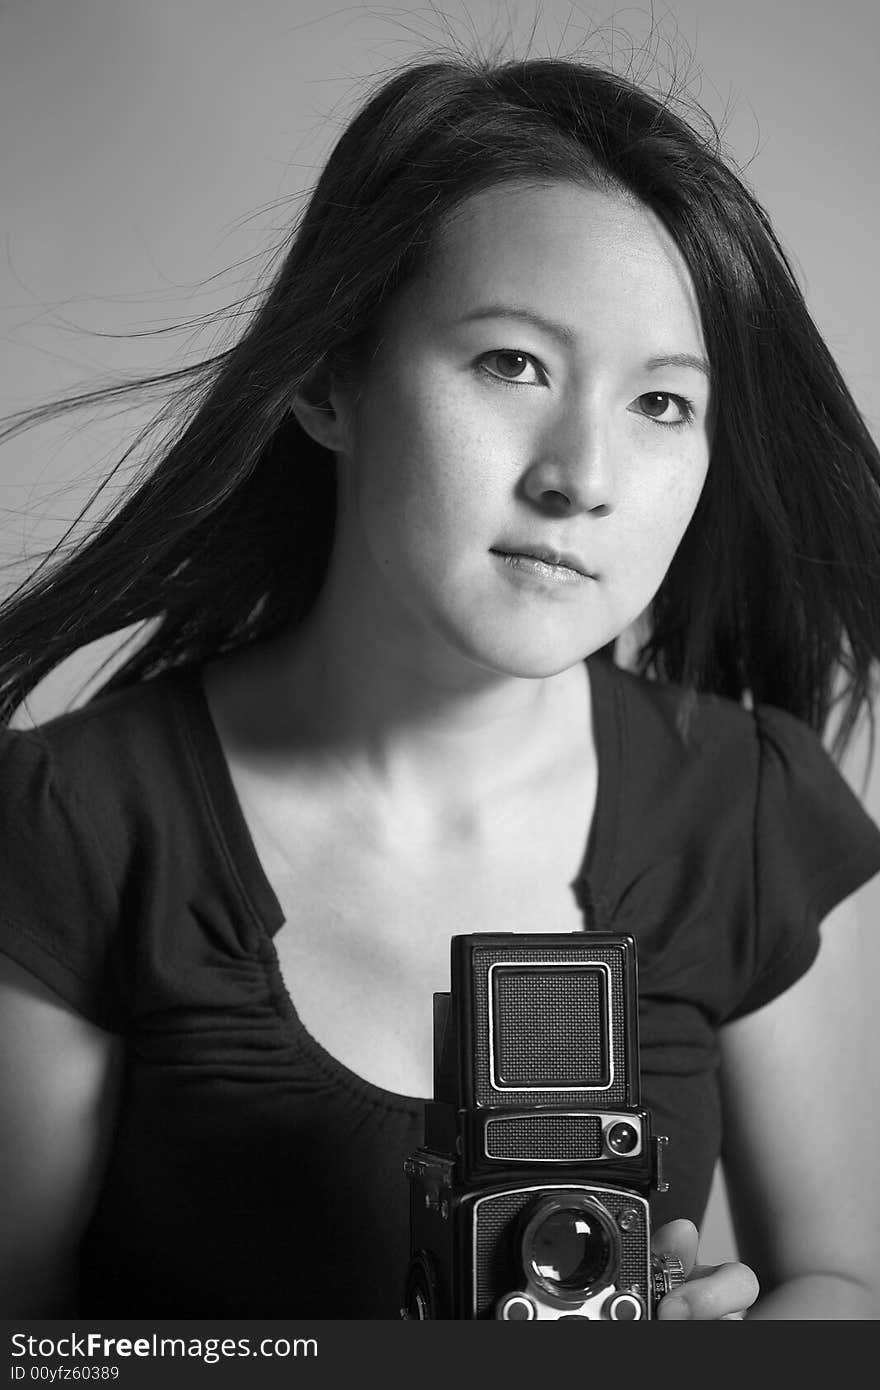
<point>679,1238</point>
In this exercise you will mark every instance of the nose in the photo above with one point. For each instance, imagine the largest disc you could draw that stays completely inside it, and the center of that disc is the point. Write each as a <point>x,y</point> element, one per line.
<point>571,467</point>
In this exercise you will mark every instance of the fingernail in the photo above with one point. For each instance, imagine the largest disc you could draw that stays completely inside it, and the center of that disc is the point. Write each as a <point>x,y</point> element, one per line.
<point>674,1308</point>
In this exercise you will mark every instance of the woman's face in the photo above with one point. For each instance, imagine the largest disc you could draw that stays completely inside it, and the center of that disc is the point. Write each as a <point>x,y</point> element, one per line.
<point>526,447</point>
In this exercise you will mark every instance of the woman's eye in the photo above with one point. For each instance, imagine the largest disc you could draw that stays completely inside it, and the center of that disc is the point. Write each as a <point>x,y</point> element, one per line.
<point>656,405</point>
<point>514,368</point>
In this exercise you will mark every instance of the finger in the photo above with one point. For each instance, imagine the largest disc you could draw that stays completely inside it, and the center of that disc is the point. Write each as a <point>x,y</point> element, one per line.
<point>725,1291</point>
<point>679,1238</point>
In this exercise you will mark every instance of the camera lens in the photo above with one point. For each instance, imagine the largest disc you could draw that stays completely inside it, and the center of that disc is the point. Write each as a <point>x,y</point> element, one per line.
<point>569,1246</point>
<point>622,1138</point>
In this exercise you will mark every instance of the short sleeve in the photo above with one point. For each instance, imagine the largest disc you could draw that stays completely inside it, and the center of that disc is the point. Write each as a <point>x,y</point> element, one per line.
<point>814,844</point>
<point>58,904</point>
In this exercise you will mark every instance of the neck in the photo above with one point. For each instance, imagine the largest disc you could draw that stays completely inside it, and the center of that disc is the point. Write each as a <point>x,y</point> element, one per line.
<point>421,731</point>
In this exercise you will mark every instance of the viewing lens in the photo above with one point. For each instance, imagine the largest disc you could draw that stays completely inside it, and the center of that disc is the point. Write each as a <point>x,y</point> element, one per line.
<point>569,1248</point>
<point>623,1138</point>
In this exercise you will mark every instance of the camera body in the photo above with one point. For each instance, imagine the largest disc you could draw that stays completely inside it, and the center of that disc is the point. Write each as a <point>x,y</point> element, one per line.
<point>529,1199</point>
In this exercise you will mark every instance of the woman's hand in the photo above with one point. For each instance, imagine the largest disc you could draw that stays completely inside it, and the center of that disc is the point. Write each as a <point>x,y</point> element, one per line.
<point>709,1291</point>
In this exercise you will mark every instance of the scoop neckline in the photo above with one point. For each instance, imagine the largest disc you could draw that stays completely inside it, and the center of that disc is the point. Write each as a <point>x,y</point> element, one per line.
<point>240,850</point>
<point>252,881</point>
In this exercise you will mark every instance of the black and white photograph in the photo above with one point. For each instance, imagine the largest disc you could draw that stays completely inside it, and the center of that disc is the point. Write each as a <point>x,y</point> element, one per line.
<point>439,641</point>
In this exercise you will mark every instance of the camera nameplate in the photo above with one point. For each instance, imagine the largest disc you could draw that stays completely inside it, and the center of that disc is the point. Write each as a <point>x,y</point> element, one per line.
<point>602,1122</point>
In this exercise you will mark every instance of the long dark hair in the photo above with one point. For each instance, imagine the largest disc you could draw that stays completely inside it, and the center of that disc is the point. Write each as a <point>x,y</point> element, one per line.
<point>772,594</point>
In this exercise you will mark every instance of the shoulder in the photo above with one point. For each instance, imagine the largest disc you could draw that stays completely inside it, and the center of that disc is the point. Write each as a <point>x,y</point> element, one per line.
<point>129,725</point>
<point>92,777</point>
<point>682,755</point>
<point>698,730</point>
<point>745,820</point>
<point>655,710</point>
<point>762,772</point>
<point>111,760</point>
<point>95,817</point>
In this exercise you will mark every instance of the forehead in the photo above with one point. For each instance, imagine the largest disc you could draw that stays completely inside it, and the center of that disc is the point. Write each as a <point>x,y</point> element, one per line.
<point>574,253</point>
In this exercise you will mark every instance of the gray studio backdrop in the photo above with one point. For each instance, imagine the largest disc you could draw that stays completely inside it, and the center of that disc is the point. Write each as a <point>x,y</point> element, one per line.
<point>151,156</point>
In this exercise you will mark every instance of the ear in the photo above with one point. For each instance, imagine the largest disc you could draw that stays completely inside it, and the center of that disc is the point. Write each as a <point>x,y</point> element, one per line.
<point>321,407</point>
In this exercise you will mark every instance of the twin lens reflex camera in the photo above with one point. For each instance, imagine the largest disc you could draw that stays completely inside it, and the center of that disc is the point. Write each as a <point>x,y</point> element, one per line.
<point>529,1195</point>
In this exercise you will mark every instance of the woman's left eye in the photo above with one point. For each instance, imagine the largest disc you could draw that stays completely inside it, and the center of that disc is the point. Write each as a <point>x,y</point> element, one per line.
<point>656,404</point>
<point>513,368</point>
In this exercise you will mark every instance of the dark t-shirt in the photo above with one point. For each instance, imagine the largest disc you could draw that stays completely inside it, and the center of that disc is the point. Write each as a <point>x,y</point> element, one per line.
<point>252,1175</point>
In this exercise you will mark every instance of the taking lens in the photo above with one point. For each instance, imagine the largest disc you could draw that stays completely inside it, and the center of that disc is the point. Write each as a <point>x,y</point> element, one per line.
<point>569,1246</point>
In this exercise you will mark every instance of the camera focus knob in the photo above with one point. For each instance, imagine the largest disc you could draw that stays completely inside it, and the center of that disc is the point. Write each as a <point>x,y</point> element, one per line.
<point>668,1273</point>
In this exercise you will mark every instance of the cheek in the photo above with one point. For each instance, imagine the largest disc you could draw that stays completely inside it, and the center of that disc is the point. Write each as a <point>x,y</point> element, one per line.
<point>682,504</point>
<point>428,461</point>
<point>396,512</point>
<point>662,510</point>
<point>693,490</point>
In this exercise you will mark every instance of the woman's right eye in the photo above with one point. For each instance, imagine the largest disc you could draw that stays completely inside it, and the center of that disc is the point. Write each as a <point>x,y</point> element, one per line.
<point>510,367</point>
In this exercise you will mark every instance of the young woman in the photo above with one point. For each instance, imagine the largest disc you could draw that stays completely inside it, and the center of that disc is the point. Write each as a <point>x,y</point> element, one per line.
<point>534,366</point>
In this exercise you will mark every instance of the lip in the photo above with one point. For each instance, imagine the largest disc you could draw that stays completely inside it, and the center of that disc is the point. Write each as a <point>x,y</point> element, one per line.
<point>545,555</point>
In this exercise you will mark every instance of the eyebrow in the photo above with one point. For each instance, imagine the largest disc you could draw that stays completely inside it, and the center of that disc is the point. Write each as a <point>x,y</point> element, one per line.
<point>568,337</point>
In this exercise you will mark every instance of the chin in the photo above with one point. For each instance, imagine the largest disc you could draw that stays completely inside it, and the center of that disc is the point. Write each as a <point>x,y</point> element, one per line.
<point>529,660</point>
<point>519,642</point>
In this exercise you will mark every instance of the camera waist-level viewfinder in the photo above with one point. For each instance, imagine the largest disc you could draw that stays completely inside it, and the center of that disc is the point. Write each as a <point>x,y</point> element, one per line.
<point>529,1196</point>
